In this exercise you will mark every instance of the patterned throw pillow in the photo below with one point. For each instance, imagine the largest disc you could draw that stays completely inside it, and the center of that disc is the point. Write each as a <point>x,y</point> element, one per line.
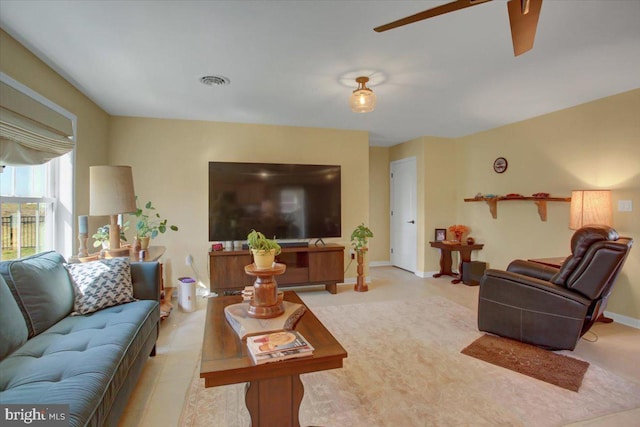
<point>100,284</point>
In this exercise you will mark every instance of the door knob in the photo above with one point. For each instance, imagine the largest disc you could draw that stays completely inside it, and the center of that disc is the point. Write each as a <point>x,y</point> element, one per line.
<point>411,222</point>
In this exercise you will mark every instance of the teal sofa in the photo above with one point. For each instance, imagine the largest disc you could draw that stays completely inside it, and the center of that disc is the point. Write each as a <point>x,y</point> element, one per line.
<point>90,362</point>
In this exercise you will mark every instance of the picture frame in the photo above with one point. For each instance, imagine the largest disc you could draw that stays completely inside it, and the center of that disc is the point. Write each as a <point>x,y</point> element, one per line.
<point>441,234</point>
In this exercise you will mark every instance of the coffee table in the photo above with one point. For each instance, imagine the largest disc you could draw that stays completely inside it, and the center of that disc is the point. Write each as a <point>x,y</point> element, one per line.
<point>274,390</point>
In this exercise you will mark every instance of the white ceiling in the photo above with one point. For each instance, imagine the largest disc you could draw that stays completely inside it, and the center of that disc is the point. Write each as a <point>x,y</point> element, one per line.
<point>295,62</point>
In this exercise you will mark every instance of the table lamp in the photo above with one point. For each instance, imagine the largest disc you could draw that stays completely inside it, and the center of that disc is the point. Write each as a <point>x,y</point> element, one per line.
<point>590,207</point>
<point>111,193</point>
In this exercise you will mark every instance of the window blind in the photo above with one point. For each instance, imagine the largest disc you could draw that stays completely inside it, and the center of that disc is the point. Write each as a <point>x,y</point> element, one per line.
<point>30,132</point>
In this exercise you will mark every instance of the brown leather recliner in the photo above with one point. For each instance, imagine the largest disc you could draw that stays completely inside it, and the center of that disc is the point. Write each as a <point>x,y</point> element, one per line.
<point>550,307</point>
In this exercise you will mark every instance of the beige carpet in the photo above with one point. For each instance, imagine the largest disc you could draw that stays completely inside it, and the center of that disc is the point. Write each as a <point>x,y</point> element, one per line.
<point>544,365</point>
<point>405,369</point>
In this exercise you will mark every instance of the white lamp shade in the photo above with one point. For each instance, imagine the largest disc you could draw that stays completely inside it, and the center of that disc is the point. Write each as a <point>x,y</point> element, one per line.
<point>590,207</point>
<point>111,190</point>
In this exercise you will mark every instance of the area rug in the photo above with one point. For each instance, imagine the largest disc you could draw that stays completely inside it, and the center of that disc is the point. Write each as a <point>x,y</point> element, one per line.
<point>544,365</point>
<point>405,369</point>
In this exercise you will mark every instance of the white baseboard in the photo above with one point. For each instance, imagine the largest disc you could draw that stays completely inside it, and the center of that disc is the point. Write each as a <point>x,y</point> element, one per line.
<point>625,320</point>
<point>353,280</point>
<point>379,264</point>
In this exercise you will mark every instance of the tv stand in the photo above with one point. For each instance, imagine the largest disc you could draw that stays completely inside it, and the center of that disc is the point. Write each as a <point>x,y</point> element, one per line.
<point>306,265</point>
<point>302,244</point>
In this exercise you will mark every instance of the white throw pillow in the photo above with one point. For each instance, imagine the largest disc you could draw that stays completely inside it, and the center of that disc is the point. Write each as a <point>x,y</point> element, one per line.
<point>100,284</point>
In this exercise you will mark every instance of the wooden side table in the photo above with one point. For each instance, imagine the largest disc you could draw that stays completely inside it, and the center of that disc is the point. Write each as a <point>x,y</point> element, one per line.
<point>446,261</point>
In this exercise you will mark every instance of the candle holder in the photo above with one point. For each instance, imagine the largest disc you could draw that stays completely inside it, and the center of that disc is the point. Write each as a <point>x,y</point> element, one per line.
<point>82,250</point>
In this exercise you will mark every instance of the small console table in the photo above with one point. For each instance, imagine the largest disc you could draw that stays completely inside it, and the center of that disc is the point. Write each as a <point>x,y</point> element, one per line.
<point>445,257</point>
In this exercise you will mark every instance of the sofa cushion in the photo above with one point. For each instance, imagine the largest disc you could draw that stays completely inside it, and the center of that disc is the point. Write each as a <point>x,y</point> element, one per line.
<point>42,288</point>
<point>101,284</point>
<point>82,361</point>
<point>13,332</point>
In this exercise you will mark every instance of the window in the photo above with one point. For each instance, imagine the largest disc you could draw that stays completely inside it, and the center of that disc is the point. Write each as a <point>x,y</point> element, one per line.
<point>27,205</point>
<point>36,201</point>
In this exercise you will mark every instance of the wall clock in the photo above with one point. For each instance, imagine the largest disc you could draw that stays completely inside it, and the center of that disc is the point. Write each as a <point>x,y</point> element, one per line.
<point>500,165</point>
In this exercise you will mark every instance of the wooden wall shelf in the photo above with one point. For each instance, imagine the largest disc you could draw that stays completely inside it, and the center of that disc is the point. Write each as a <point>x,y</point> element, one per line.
<point>541,202</point>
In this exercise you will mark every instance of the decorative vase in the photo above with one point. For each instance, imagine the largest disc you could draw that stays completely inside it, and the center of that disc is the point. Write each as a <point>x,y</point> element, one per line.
<point>471,241</point>
<point>263,259</point>
<point>144,243</point>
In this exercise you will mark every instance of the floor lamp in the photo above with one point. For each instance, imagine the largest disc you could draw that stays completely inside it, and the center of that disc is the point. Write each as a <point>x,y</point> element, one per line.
<point>111,193</point>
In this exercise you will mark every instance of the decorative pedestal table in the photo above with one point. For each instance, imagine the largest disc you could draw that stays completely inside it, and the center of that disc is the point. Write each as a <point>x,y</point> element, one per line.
<point>267,301</point>
<point>445,257</point>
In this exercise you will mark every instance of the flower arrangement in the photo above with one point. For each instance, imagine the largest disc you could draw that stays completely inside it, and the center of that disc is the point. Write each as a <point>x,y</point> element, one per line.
<point>459,230</point>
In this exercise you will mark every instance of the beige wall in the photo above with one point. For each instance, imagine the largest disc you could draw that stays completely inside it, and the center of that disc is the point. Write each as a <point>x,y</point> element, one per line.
<point>170,166</point>
<point>379,205</point>
<point>595,145</point>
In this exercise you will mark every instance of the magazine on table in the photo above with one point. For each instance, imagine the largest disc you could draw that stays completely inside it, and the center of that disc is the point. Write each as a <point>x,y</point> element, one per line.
<point>278,346</point>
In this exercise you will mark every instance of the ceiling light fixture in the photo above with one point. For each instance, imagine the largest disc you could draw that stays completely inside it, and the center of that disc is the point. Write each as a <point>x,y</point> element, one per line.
<point>362,100</point>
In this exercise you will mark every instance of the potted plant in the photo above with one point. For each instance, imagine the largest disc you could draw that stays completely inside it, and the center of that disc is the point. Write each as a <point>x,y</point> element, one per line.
<point>149,224</point>
<point>264,250</point>
<point>101,236</point>
<point>359,242</point>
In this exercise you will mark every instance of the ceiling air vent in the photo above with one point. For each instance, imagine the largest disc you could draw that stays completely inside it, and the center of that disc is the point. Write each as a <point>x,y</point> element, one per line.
<point>215,80</point>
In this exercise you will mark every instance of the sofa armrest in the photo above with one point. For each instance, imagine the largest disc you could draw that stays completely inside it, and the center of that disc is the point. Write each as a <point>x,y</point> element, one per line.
<point>145,277</point>
<point>532,269</point>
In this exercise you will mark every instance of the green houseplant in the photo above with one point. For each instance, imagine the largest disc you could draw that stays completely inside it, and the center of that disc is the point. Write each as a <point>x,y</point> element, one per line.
<point>149,224</point>
<point>101,236</point>
<point>359,243</point>
<point>264,250</point>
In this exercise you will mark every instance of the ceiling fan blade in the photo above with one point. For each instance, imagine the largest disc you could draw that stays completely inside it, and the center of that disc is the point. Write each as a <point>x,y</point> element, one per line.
<point>430,13</point>
<point>523,23</point>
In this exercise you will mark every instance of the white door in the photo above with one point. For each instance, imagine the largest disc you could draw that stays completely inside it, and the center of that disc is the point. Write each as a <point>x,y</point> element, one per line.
<point>404,235</point>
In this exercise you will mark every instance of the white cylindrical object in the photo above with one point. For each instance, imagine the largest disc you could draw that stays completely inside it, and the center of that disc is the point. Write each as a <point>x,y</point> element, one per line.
<point>187,294</point>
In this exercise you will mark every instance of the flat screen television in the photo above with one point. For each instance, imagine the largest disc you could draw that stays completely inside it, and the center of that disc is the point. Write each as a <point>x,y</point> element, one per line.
<point>283,201</point>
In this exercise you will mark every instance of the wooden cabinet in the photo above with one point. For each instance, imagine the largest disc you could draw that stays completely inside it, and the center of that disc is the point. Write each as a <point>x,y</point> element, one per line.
<point>309,265</point>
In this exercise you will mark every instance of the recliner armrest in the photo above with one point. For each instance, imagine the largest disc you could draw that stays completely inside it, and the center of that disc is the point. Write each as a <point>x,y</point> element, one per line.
<point>532,269</point>
<point>494,277</point>
<point>145,277</point>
